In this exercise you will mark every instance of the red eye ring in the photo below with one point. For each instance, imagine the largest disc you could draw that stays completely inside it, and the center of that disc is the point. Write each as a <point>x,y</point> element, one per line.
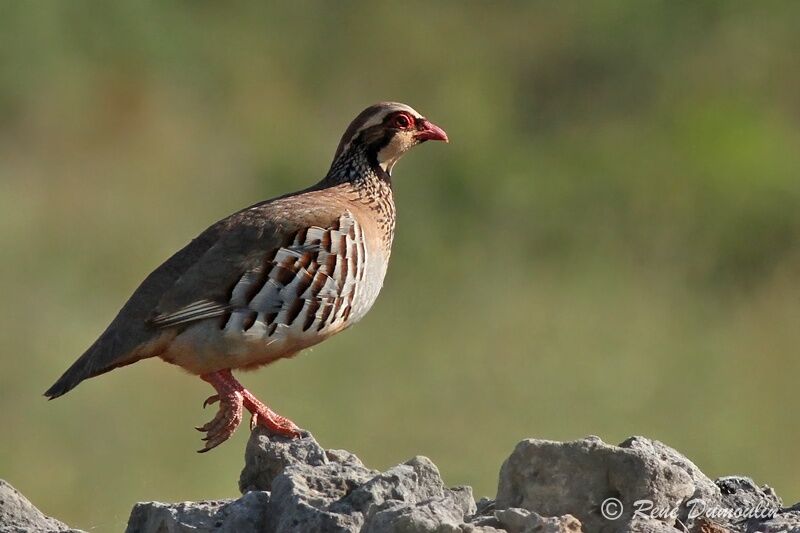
<point>402,121</point>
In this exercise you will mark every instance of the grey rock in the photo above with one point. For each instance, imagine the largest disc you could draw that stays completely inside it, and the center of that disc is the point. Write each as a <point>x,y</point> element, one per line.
<point>296,485</point>
<point>292,485</point>
<point>442,512</point>
<point>18,515</point>
<point>247,514</point>
<point>743,492</point>
<point>745,504</point>
<point>545,487</point>
<point>560,478</point>
<point>433,516</point>
<point>652,526</point>
<point>484,515</point>
<point>784,521</point>
<point>669,492</point>
<point>343,495</point>
<point>267,456</point>
<point>516,520</point>
<point>315,498</point>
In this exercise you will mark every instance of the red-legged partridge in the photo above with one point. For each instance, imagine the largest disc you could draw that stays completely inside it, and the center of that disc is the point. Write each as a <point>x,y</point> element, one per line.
<point>270,280</point>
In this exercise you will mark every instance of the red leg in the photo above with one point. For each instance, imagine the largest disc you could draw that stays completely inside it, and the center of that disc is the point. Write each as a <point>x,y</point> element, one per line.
<point>232,397</point>
<point>262,414</point>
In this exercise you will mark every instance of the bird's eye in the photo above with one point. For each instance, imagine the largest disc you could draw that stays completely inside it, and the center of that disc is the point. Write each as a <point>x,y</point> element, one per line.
<point>402,121</point>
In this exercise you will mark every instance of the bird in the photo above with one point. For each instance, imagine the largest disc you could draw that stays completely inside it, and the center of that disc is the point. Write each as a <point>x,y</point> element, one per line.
<point>269,280</point>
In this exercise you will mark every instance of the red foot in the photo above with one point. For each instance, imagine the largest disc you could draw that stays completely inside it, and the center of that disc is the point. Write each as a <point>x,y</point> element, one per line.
<point>232,396</point>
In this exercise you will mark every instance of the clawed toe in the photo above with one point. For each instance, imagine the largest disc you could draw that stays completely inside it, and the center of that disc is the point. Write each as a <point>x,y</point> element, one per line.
<point>208,425</point>
<point>285,428</point>
<point>214,439</point>
<point>266,417</point>
<point>224,423</point>
<point>211,400</point>
<point>233,399</point>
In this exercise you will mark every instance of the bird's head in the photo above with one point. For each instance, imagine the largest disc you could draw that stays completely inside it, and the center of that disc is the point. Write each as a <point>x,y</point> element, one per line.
<point>386,131</point>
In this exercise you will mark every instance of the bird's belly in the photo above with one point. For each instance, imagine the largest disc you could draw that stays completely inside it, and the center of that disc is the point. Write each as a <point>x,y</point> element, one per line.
<point>251,339</point>
<point>205,347</point>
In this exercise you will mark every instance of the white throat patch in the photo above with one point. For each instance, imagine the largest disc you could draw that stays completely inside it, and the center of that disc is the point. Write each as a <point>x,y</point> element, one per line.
<point>391,153</point>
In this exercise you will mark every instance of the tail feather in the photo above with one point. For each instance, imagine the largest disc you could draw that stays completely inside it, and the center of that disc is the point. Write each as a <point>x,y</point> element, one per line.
<point>71,378</point>
<point>130,338</point>
<point>106,354</point>
<point>88,365</point>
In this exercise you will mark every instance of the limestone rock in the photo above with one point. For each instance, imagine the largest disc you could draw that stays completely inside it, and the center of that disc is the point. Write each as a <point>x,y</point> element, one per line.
<point>18,515</point>
<point>641,485</point>
<point>584,486</point>
<point>224,516</point>
<point>296,485</point>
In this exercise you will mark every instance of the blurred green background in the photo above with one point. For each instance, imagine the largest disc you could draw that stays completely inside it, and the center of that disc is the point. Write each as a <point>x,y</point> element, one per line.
<point>609,245</point>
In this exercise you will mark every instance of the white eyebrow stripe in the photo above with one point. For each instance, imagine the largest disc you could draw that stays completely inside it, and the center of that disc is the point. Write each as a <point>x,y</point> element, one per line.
<point>378,118</point>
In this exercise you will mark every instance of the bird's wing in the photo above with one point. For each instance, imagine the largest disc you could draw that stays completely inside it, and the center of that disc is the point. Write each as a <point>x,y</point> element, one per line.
<point>265,266</point>
<point>197,282</point>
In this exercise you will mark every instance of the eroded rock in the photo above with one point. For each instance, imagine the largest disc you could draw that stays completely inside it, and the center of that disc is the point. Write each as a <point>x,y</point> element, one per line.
<point>641,485</point>
<point>334,491</point>
<point>288,485</point>
<point>18,515</point>
<point>224,516</point>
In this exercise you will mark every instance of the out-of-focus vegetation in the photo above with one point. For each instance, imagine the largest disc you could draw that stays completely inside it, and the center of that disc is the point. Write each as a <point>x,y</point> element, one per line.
<point>609,245</point>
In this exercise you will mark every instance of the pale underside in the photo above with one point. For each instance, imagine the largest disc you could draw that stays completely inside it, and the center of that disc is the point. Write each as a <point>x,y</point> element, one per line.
<point>297,296</point>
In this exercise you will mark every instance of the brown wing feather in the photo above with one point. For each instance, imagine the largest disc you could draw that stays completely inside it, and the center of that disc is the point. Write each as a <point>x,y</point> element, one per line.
<point>204,270</point>
<point>254,239</point>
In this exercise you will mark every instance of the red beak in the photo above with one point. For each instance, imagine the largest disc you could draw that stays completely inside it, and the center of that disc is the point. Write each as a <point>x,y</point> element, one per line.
<point>428,131</point>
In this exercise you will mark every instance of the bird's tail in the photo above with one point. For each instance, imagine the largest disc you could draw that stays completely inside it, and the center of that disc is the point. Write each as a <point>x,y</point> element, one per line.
<point>80,370</point>
<point>104,355</point>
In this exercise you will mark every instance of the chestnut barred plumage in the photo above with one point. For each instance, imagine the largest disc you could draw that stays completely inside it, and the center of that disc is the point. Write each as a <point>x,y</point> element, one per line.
<point>271,279</point>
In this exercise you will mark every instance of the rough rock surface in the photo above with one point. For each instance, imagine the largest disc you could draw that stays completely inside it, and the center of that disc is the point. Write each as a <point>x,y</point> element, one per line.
<point>296,485</point>
<point>18,515</point>
<point>312,489</point>
<point>639,486</point>
<point>228,516</point>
